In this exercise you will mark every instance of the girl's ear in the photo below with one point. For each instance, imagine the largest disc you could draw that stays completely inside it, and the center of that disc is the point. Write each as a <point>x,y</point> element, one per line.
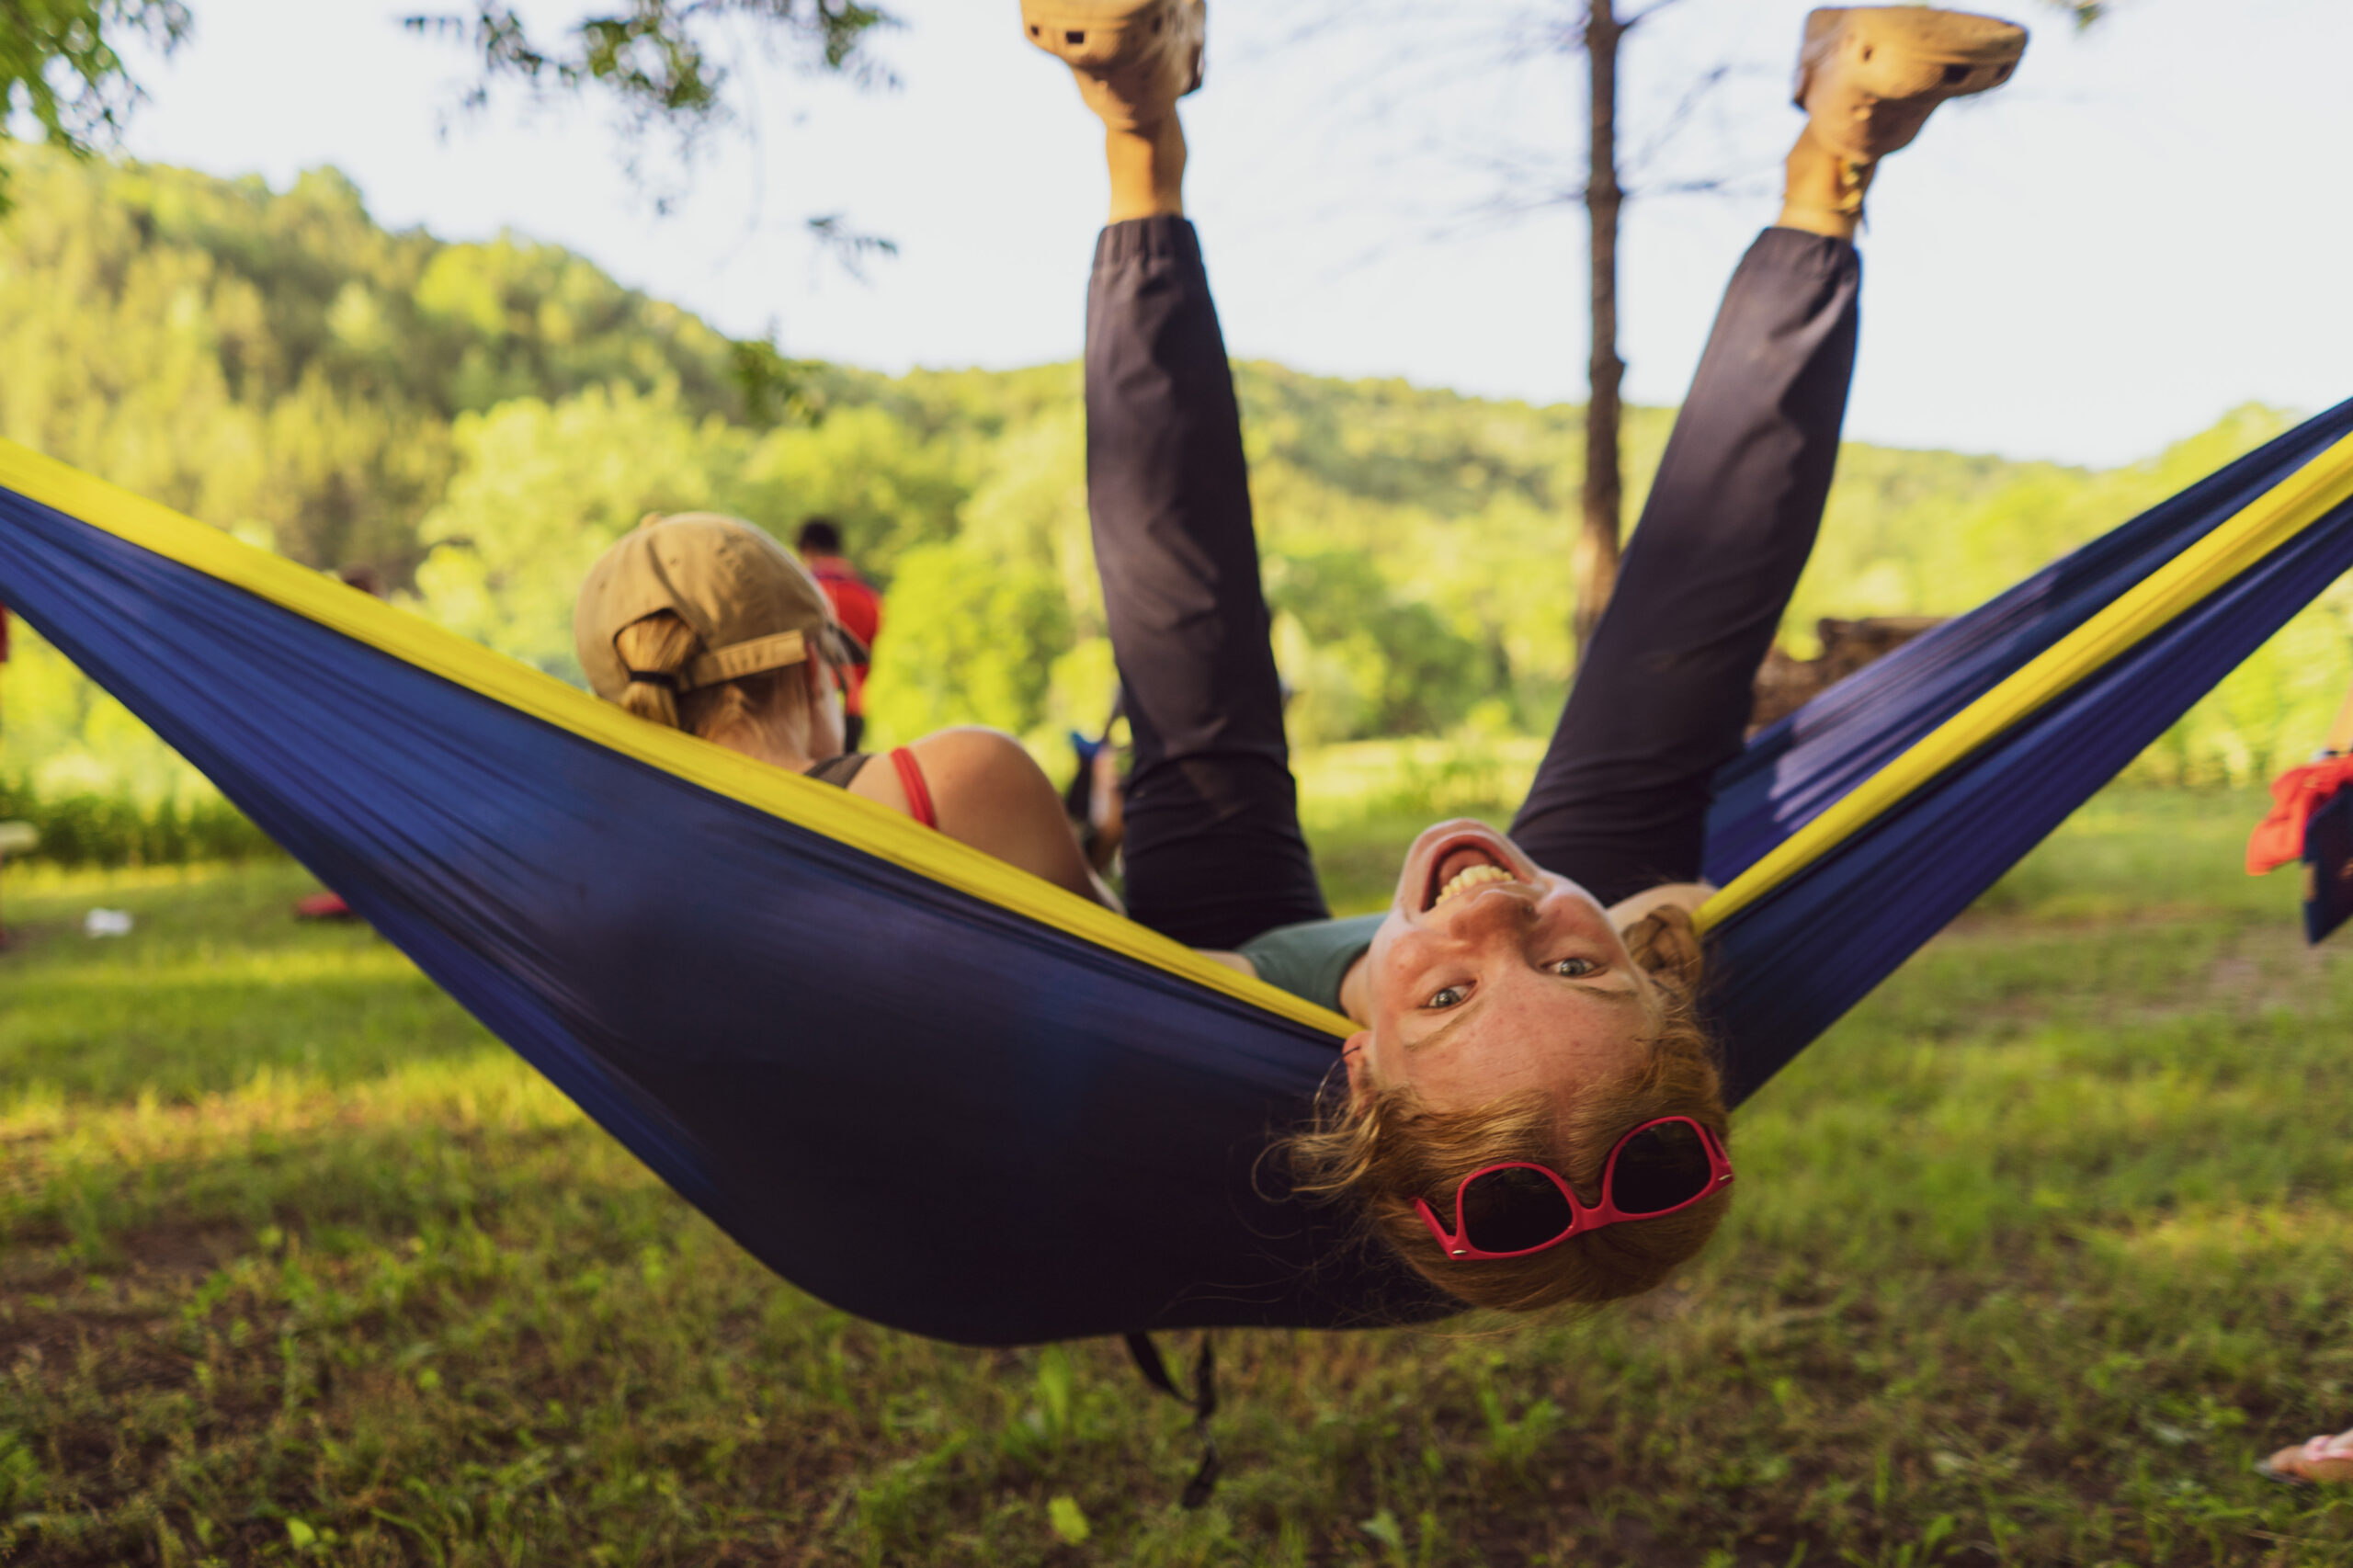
<point>1360,1084</point>
<point>1665,943</point>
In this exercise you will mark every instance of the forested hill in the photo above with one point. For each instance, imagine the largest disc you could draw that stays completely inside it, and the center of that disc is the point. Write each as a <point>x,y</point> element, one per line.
<point>256,356</point>
<point>479,420</point>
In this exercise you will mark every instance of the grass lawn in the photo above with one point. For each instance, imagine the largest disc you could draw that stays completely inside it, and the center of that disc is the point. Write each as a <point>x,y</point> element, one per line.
<point>2033,1255</point>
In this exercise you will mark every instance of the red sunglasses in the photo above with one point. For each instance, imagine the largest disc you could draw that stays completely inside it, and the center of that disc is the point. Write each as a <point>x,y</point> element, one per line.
<point>1514,1208</point>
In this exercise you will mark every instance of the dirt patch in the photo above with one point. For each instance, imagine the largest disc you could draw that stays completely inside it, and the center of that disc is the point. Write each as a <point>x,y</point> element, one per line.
<point>171,1254</point>
<point>182,1250</point>
<point>121,1350</point>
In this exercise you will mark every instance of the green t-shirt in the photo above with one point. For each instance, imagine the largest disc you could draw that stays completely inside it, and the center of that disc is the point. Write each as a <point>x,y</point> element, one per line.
<point>1311,960</point>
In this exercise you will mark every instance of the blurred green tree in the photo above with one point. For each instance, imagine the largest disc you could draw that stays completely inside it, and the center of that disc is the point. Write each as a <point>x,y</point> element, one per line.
<point>541,490</point>
<point>276,360</point>
<point>1403,671</point>
<point>970,639</point>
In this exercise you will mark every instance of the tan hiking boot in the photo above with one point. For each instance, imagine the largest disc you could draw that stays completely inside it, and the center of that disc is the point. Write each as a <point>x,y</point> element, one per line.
<point>1133,59</point>
<point>1870,75</point>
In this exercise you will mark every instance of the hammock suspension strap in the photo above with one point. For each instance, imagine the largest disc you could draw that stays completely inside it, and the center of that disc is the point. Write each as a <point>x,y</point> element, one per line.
<point>1202,1402</point>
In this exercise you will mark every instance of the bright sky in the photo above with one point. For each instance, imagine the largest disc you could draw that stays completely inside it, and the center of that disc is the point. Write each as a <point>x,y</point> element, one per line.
<point>2149,225</point>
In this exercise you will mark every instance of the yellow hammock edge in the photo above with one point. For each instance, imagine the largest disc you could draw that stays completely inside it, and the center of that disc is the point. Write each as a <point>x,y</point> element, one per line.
<point>2261,527</point>
<point>836,814</point>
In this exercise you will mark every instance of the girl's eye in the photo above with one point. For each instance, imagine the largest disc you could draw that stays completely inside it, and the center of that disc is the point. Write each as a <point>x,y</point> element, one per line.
<point>1576,967</point>
<point>1452,996</point>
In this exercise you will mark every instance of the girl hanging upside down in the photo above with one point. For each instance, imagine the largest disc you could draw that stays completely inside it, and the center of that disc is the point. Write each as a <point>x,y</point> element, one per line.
<point>1529,1112</point>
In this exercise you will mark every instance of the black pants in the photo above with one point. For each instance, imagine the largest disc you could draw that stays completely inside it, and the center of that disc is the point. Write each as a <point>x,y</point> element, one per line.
<point>1214,852</point>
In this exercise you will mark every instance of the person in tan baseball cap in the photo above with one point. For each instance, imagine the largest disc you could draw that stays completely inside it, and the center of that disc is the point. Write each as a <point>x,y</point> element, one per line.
<point>703,602</point>
<point>704,623</point>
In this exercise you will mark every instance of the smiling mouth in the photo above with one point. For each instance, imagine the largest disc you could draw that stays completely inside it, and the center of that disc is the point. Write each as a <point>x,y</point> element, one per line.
<point>1464,869</point>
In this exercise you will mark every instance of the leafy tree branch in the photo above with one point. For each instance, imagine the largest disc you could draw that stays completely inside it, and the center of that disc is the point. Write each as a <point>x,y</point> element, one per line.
<point>659,58</point>
<point>58,64</point>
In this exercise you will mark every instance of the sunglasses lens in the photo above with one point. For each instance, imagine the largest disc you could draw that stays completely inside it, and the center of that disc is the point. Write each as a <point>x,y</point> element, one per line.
<point>1658,1168</point>
<point>1511,1211</point>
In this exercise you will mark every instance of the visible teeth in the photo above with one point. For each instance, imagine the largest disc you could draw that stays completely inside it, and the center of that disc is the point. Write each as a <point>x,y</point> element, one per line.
<point>1475,875</point>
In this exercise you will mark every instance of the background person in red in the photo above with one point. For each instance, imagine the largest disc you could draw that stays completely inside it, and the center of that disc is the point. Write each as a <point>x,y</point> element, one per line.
<point>856,604</point>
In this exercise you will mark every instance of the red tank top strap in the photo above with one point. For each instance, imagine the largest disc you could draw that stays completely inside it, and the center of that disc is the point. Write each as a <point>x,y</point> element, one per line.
<point>918,792</point>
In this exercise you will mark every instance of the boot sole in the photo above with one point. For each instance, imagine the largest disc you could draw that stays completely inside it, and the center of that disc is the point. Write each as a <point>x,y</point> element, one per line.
<point>1112,35</point>
<point>1977,53</point>
<point>1119,44</point>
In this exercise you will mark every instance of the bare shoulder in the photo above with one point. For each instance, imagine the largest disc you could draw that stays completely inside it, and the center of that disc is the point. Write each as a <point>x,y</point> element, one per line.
<point>975,753</point>
<point>988,792</point>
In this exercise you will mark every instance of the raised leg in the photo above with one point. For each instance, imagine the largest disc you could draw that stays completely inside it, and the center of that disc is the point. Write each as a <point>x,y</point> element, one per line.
<point>1214,851</point>
<point>1620,800</point>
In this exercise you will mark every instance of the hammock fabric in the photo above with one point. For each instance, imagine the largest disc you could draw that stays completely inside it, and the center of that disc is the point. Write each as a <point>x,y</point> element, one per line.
<point>943,1096</point>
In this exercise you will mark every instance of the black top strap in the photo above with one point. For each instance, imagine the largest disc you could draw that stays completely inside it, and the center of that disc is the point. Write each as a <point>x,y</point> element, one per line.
<point>839,770</point>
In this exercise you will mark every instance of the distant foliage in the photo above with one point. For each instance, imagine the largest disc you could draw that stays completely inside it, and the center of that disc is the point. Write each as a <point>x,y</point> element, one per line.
<point>1934,533</point>
<point>541,489</point>
<point>971,642</point>
<point>61,736</point>
<point>482,420</point>
<point>1365,663</point>
<point>118,828</point>
<point>276,360</point>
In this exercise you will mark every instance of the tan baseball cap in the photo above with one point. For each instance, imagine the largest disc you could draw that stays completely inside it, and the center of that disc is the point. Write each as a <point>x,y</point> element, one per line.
<point>753,605</point>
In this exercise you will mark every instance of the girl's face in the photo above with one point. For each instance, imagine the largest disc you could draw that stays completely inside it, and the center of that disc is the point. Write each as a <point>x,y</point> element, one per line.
<point>1492,977</point>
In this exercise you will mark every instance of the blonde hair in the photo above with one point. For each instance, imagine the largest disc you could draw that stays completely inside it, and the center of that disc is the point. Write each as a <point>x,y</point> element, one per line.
<point>1383,1149</point>
<point>663,645</point>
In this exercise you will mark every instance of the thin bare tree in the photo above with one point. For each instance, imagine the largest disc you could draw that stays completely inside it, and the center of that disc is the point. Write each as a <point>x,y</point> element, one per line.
<point>1526,181</point>
<point>1596,558</point>
<point>1523,180</point>
<point>1601,34</point>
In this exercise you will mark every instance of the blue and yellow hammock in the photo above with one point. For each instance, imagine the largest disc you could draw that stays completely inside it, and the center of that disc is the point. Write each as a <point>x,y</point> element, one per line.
<point>944,1095</point>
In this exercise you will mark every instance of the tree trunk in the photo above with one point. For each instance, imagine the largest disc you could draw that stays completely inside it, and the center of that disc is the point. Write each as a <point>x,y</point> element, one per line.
<point>1595,556</point>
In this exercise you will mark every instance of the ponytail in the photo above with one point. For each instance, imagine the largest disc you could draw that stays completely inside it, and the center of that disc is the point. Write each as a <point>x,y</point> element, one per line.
<point>655,651</point>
